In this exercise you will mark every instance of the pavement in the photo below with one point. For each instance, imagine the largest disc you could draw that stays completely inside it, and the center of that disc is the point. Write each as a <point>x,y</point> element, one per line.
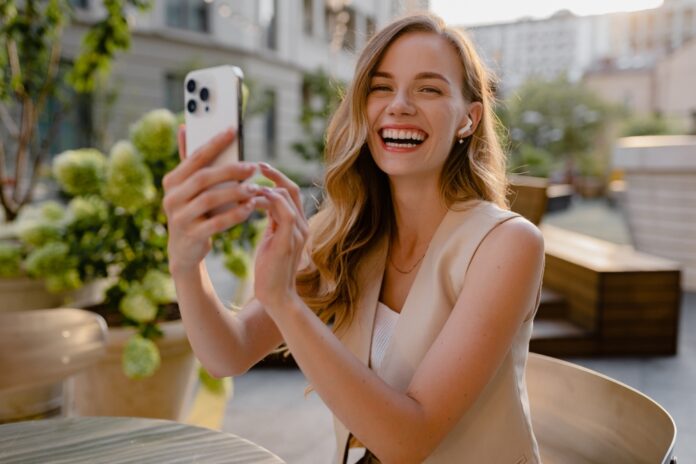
<point>269,406</point>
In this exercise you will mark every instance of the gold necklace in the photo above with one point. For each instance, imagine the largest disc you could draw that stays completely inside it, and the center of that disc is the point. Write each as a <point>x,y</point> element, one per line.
<point>391,261</point>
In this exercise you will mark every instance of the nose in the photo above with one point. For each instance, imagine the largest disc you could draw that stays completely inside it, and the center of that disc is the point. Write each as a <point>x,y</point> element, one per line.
<point>400,104</point>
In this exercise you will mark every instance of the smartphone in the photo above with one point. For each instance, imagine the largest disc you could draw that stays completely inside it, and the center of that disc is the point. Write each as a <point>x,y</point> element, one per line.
<point>213,103</point>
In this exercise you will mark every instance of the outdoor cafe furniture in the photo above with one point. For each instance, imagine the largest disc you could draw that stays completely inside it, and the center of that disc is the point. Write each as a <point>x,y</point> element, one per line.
<point>612,299</point>
<point>39,349</point>
<point>580,417</point>
<point>117,440</point>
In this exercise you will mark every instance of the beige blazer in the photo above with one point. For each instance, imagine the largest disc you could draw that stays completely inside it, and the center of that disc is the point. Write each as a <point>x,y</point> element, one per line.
<point>497,428</point>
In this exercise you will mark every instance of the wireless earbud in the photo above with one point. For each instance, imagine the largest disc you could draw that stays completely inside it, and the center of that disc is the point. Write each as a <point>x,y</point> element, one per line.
<point>461,133</point>
<point>467,127</point>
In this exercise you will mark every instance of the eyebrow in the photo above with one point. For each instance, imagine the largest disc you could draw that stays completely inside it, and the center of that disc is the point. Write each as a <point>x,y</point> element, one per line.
<point>423,75</point>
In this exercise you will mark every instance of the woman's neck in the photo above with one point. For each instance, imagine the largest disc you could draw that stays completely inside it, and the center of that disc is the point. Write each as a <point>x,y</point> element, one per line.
<point>418,210</point>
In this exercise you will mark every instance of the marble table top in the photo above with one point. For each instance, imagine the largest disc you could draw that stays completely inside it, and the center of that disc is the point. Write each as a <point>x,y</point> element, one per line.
<point>120,440</point>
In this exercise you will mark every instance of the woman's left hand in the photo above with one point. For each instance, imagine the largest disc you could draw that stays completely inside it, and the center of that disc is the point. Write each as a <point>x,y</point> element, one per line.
<point>280,251</point>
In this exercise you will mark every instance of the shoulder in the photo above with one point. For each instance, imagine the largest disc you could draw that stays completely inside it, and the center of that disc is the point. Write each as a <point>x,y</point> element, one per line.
<point>516,231</point>
<point>514,242</point>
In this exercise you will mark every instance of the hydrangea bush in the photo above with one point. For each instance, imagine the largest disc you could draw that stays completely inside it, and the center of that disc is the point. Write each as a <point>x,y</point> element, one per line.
<point>113,226</point>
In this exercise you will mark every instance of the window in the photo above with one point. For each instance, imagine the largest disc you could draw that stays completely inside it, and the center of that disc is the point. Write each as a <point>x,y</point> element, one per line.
<point>308,17</point>
<point>268,12</point>
<point>269,125</point>
<point>371,27</point>
<point>79,4</point>
<point>340,28</point>
<point>191,15</point>
<point>73,116</point>
<point>174,92</point>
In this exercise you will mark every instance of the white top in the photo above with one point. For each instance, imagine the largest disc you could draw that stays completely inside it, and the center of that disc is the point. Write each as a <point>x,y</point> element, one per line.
<point>385,323</point>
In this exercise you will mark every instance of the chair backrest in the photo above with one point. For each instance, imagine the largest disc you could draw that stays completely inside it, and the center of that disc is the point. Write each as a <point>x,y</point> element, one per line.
<point>527,196</point>
<point>581,416</point>
<point>39,349</point>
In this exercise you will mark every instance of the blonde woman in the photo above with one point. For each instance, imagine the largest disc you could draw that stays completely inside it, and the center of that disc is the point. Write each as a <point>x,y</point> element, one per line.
<point>429,281</point>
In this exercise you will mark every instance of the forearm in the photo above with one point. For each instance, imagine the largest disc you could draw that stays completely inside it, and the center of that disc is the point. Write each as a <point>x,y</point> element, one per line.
<point>385,420</point>
<point>215,333</point>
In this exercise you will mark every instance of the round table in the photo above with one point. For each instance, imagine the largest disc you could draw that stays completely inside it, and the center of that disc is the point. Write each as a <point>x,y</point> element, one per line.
<point>116,440</point>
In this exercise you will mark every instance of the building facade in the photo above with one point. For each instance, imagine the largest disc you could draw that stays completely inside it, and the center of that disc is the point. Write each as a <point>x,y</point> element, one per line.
<point>573,45</point>
<point>274,42</point>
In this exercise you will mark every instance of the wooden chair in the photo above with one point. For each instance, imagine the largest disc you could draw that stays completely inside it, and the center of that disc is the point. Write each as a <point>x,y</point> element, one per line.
<point>580,417</point>
<point>39,349</point>
<point>527,196</point>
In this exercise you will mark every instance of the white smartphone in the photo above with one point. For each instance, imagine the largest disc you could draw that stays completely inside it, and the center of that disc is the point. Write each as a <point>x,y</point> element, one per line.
<point>213,103</point>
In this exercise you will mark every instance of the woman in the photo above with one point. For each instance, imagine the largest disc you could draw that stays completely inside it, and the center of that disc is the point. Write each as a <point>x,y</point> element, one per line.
<point>430,282</point>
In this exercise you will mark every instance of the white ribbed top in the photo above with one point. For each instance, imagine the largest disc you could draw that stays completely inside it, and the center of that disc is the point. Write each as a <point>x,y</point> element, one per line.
<point>385,322</point>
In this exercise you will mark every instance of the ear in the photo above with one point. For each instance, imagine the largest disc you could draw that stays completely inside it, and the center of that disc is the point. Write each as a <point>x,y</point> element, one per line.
<point>471,119</point>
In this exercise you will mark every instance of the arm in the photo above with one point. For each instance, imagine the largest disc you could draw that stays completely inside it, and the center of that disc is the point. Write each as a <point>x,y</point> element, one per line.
<point>226,343</point>
<point>407,427</point>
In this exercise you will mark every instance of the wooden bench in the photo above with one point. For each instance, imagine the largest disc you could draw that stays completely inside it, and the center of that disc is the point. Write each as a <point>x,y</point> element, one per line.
<point>618,301</point>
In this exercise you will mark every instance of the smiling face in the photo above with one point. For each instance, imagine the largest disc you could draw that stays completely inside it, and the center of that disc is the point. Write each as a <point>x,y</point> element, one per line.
<point>415,105</point>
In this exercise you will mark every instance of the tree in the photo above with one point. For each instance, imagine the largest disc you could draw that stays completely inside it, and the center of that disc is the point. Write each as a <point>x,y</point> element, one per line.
<point>321,98</point>
<point>30,62</point>
<point>558,118</point>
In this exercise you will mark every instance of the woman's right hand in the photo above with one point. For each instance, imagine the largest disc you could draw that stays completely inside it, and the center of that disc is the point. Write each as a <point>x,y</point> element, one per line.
<point>189,200</point>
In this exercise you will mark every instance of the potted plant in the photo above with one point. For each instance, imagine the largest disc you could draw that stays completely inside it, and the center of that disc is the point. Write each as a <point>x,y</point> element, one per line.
<point>114,229</point>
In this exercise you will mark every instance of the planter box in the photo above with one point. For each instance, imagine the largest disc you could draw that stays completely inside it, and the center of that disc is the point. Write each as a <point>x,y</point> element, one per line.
<point>660,197</point>
<point>25,293</point>
<point>103,390</point>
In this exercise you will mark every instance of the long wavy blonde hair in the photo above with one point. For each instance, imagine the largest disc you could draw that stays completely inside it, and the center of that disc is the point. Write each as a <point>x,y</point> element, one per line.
<point>357,210</point>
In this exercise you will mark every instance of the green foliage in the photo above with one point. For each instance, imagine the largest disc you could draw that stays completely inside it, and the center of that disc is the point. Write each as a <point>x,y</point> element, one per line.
<point>154,135</point>
<point>531,161</point>
<point>52,211</point>
<point>137,305</point>
<point>211,383</point>
<point>141,357</point>
<point>159,287</point>
<point>80,172</point>
<point>39,233</point>
<point>654,124</point>
<point>54,263</point>
<point>237,261</point>
<point>32,74</point>
<point>322,97</point>
<point>114,226</point>
<point>551,122</point>
<point>10,259</point>
<point>129,182</point>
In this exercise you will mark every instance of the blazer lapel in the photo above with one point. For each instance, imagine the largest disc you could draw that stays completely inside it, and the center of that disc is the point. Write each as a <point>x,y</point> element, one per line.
<point>357,336</point>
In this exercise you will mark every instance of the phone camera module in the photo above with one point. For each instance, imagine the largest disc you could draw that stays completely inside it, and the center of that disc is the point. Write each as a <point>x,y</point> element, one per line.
<point>191,106</point>
<point>204,94</point>
<point>191,85</point>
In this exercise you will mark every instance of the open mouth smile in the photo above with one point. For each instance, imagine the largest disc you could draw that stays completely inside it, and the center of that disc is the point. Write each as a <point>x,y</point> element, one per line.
<point>402,138</point>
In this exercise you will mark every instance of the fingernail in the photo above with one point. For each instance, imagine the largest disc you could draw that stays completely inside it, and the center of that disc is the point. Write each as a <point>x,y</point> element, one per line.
<point>265,165</point>
<point>266,190</point>
<point>251,188</point>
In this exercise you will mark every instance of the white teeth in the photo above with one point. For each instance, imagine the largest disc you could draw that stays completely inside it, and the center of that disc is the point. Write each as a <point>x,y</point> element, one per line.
<point>403,134</point>
<point>400,145</point>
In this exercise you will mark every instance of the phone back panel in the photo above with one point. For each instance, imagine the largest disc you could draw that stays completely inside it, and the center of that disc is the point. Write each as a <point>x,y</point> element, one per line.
<point>220,111</point>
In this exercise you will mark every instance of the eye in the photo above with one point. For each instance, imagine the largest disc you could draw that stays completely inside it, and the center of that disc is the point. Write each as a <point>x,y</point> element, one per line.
<point>379,88</point>
<point>429,89</point>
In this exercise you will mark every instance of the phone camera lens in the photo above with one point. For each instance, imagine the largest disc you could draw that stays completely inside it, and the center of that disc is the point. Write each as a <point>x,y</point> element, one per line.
<point>204,94</point>
<point>191,85</point>
<point>191,106</point>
